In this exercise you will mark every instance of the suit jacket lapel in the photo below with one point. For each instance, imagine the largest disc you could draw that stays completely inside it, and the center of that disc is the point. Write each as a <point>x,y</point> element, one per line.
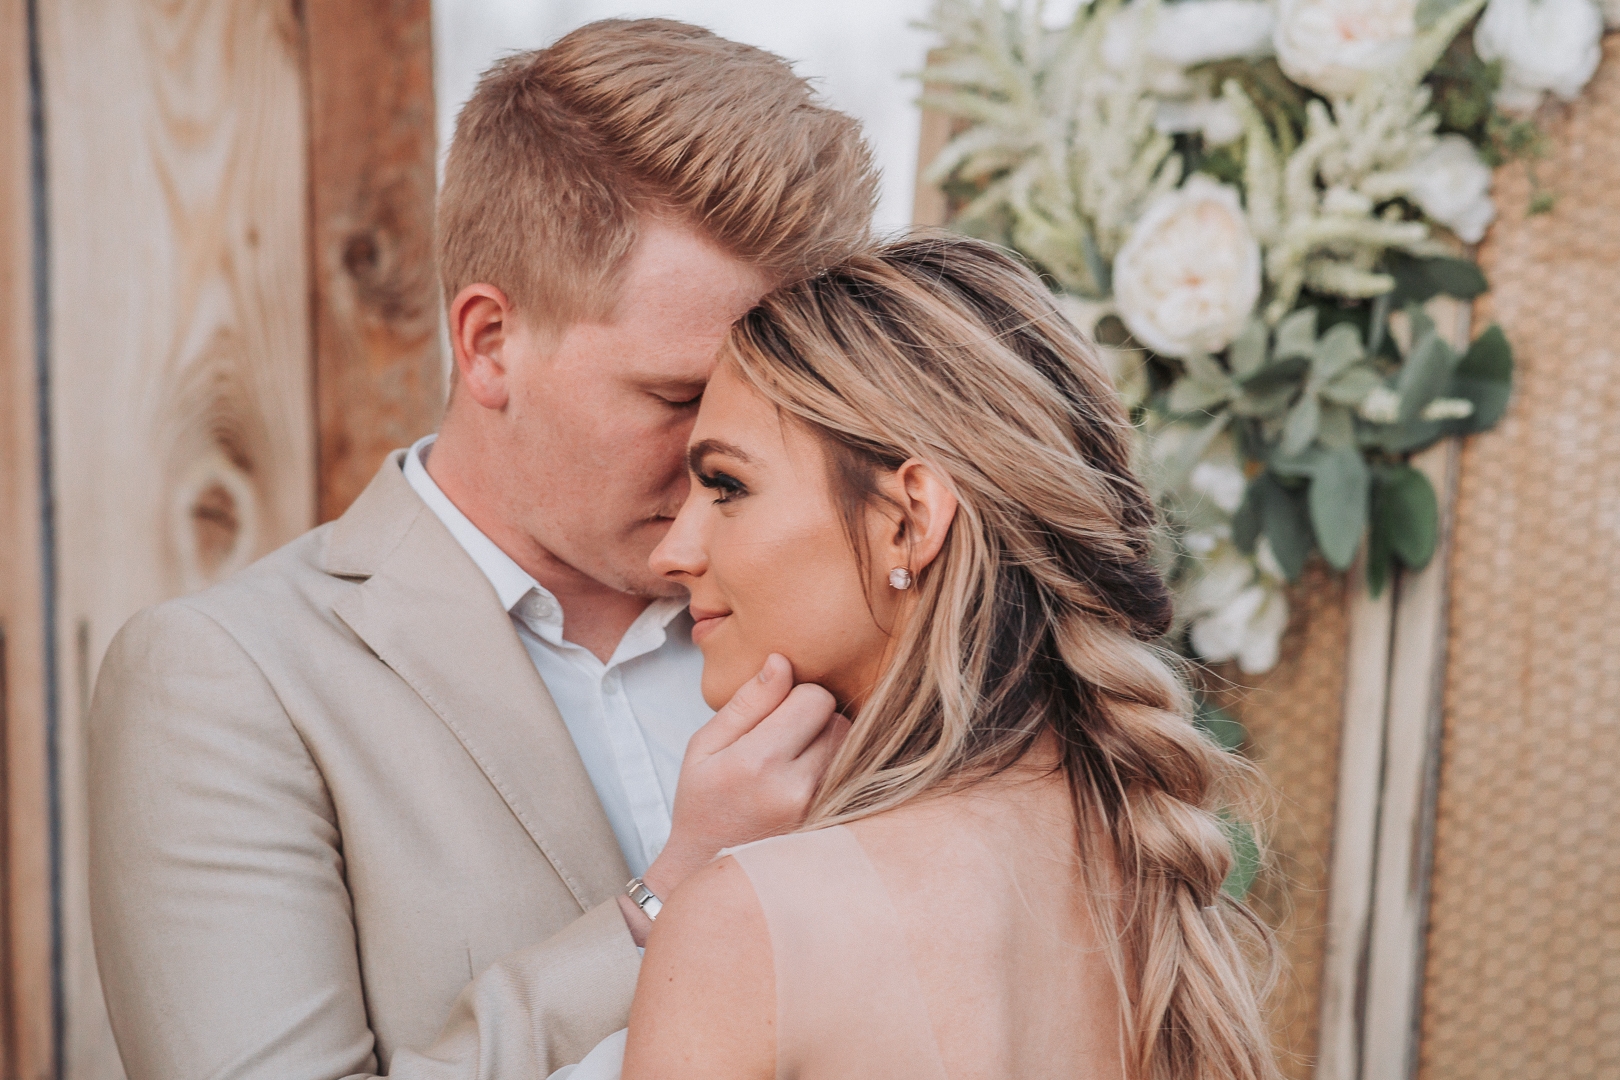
<point>432,617</point>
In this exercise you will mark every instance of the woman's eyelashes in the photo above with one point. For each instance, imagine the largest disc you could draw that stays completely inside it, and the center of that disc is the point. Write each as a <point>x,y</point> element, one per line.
<point>728,487</point>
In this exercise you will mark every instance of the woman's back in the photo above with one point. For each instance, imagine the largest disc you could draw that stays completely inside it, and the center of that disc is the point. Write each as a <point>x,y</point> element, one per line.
<point>949,938</point>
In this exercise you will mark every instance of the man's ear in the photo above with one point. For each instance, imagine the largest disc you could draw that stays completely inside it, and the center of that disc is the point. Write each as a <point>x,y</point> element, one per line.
<point>929,506</point>
<point>480,325</point>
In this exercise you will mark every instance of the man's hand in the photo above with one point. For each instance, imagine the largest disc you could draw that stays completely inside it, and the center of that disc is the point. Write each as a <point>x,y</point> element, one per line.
<point>749,773</point>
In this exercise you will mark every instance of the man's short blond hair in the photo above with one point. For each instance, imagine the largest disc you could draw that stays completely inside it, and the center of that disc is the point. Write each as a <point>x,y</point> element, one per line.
<point>561,151</point>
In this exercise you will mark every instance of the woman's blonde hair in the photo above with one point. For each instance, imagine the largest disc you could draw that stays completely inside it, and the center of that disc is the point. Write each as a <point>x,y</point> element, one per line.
<point>1040,615</point>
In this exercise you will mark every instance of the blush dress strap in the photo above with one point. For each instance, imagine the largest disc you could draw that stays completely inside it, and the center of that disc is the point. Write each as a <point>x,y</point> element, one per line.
<point>849,1005</point>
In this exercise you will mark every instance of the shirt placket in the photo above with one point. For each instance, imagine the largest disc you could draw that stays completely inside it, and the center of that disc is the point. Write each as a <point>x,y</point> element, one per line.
<point>647,807</point>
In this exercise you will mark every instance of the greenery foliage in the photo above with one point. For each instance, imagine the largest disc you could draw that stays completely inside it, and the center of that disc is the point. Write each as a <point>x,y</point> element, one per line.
<point>1339,372</point>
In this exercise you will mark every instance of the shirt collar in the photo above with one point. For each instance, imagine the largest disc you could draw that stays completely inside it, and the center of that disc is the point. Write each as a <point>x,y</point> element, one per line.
<point>512,583</point>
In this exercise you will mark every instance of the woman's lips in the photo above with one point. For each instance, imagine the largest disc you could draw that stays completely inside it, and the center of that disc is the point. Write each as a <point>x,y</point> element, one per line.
<point>704,622</point>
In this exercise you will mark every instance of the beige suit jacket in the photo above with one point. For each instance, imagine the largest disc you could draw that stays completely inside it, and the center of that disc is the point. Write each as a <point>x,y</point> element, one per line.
<point>338,828</point>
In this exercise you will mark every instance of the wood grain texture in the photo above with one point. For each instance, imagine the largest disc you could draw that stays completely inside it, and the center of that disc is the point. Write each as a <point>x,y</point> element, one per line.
<point>183,433</point>
<point>1355,831</point>
<point>26,1050</point>
<point>379,370</point>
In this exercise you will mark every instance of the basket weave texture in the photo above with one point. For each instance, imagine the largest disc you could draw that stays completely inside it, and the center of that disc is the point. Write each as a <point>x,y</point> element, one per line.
<point>1293,714</point>
<point>1523,962</point>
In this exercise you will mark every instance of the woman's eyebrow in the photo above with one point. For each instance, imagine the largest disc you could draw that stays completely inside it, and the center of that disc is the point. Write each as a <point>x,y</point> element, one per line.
<point>702,449</point>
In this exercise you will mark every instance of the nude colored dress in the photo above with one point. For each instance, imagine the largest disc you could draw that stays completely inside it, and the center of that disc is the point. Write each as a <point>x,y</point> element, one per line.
<point>848,1002</point>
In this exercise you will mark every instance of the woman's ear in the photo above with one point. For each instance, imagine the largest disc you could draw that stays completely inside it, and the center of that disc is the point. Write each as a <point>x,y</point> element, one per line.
<point>928,507</point>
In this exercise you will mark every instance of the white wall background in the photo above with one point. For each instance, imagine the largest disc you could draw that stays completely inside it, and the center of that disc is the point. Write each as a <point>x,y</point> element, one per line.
<point>859,52</point>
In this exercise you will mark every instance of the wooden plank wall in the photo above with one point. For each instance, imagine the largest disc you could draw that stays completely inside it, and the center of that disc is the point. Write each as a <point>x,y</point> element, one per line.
<point>26,1044</point>
<point>379,368</point>
<point>181,395</point>
<point>243,322</point>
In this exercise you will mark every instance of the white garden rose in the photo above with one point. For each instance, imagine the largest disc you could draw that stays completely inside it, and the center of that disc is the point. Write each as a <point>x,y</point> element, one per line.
<point>1332,45</point>
<point>1188,276</point>
<point>1543,45</point>
<point>1453,186</point>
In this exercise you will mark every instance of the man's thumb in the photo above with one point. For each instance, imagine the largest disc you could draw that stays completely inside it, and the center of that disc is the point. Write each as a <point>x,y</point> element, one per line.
<point>754,701</point>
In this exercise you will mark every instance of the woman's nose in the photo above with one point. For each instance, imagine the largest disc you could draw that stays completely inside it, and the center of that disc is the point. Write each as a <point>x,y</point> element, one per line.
<point>681,554</point>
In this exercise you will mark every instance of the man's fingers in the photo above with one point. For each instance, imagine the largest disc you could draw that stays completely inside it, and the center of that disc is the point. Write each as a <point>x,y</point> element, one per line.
<point>792,726</point>
<point>819,754</point>
<point>754,701</point>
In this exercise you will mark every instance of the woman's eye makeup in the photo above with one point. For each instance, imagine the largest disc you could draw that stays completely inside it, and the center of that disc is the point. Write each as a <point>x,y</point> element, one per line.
<point>727,486</point>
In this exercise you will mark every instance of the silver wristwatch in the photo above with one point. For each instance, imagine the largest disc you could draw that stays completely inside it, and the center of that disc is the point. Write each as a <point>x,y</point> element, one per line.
<point>644,898</point>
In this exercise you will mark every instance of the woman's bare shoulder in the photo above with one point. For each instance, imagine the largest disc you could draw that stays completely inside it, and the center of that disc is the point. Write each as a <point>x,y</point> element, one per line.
<point>705,1002</point>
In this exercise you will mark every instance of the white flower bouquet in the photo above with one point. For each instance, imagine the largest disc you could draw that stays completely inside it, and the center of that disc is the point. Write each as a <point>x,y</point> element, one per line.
<point>1244,200</point>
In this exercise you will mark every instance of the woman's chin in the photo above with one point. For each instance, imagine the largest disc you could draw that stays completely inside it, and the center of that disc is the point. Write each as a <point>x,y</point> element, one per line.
<point>720,686</point>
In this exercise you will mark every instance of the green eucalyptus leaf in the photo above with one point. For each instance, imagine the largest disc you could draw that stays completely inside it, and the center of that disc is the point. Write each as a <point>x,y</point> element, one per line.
<point>1352,385</point>
<point>1245,858</point>
<point>1269,404</point>
<point>1429,11</point>
<point>1425,372</point>
<point>1380,560</point>
<point>1285,522</point>
<point>1337,429</point>
<point>1485,377</point>
<point>1218,724</point>
<point>1420,279</point>
<point>1299,431</point>
<point>1277,373</point>
<point>1188,454</point>
<point>1335,351</point>
<point>1408,515</point>
<point>1405,436</point>
<point>1190,395</point>
<point>1247,353</point>
<point>1296,335</point>
<point>1205,369</point>
<point>1338,504</point>
<point>1246,521</point>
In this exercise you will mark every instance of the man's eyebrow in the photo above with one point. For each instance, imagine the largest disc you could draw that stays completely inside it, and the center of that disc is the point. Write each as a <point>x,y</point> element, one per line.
<point>701,450</point>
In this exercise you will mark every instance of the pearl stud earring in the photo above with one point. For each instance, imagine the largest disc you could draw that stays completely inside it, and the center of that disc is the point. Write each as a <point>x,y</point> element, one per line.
<point>900,578</point>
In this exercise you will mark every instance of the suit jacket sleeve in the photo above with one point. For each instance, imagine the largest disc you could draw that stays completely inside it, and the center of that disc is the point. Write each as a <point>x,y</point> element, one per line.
<point>222,924</point>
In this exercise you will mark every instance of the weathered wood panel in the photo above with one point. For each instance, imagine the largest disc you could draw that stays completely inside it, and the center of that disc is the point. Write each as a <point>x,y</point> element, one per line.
<point>26,1050</point>
<point>379,370</point>
<point>181,401</point>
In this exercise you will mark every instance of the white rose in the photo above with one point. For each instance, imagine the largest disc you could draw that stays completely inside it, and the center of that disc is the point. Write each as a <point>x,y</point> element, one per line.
<point>1188,276</point>
<point>1453,186</point>
<point>1331,45</point>
<point>1543,45</point>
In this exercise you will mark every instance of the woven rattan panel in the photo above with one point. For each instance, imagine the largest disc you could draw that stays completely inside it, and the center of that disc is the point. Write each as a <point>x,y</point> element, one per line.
<point>1523,969</point>
<point>1293,715</point>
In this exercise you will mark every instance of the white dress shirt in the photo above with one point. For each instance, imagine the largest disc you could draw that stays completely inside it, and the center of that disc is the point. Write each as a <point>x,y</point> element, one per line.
<point>631,717</point>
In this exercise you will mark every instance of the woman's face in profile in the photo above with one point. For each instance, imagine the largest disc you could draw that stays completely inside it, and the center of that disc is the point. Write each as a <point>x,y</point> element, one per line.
<point>761,545</point>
